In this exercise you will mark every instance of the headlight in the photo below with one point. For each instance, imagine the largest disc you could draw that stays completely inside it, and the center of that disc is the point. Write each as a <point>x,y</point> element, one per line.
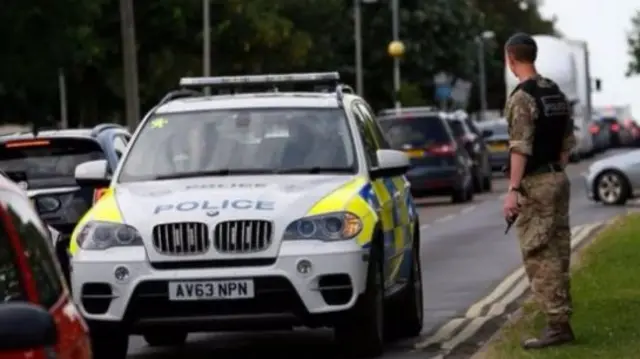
<point>103,235</point>
<point>326,227</point>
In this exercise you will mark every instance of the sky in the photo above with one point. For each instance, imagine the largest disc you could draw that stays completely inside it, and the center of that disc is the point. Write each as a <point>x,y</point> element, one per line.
<point>603,24</point>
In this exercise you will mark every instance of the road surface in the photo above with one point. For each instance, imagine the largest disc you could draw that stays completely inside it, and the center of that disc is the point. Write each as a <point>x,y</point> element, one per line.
<point>465,254</point>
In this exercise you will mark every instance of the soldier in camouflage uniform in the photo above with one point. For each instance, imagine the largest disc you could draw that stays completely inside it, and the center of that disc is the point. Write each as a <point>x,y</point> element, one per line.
<point>540,141</point>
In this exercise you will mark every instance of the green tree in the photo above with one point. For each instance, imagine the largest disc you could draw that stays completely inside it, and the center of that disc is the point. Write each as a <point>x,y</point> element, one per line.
<point>633,41</point>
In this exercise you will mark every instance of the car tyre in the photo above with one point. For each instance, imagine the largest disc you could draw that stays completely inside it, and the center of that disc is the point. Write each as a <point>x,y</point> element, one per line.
<point>612,188</point>
<point>108,342</point>
<point>408,308</point>
<point>361,333</point>
<point>165,338</point>
<point>487,183</point>
<point>477,182</point>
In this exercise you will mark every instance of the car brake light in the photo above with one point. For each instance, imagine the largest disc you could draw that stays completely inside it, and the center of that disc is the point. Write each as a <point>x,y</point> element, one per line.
<point>443,149</point>
<point>98,193</point>
<point>615,127</point>
<point>594,129</point>
<point>30,143</point>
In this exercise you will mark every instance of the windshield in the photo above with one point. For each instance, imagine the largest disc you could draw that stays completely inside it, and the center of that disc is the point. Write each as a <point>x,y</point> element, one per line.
<point>457,127</point>
<point>415,131</point>
<point>45,163</point>
<point>241,141</point>
<point>499,130</point>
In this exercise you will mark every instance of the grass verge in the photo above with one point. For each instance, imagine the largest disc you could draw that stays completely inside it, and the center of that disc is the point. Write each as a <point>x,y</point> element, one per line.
<point>606,294</point>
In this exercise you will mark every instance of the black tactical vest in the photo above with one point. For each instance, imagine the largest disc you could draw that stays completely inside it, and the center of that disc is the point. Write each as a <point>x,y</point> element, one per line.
<point>550,126</point>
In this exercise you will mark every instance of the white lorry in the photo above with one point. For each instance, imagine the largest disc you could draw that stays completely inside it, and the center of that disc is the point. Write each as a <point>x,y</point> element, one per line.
<point>567,63</point>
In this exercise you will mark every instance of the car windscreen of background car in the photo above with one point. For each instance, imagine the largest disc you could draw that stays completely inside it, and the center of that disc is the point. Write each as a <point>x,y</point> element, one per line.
<point>45,163</point>
<point>415,131</point>
<point>457,127</point>
<point>241,141</point>
<point>609,120</point>
<point>499,130</point>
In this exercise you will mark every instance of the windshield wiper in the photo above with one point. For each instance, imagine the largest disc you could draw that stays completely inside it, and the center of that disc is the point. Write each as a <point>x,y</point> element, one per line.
<point>315,170</point>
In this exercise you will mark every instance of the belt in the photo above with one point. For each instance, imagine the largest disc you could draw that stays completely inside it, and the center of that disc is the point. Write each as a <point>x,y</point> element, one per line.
<point>546,168</point>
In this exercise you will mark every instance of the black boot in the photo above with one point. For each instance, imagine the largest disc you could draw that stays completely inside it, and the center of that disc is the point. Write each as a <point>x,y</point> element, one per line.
<point>552,335</point>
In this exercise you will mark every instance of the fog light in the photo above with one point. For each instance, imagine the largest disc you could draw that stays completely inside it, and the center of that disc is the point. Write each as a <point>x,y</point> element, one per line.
<point>304,267</point>
<point>121,274</point>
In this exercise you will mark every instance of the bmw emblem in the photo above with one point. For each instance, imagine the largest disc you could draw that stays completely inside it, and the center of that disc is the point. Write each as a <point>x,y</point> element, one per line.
<point>213,213</point>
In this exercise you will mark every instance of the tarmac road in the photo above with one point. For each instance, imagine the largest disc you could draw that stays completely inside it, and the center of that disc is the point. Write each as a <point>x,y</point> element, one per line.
<point>465,254</point>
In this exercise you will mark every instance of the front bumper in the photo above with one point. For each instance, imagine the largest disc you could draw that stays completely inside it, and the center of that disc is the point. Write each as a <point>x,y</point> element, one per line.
<point>282,294</point>
<point>588,182</point>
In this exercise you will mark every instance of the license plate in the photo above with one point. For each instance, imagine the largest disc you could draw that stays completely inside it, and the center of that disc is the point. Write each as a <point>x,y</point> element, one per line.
<point>498,148</point>
<point>415,153</point>
<point>211,290</point>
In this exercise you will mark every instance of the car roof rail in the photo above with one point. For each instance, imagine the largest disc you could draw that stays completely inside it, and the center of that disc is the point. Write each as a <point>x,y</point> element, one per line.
<point>178,94</point>
<point>104,126</point>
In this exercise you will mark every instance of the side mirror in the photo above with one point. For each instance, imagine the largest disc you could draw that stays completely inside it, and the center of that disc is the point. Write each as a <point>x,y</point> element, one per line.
<point>390,163</point>
<point>92,173</point>
<point>487,133</point>
<point>24,326</point>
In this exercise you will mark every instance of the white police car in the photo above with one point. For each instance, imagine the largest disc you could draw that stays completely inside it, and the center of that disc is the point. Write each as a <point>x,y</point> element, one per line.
<point>259,210</point>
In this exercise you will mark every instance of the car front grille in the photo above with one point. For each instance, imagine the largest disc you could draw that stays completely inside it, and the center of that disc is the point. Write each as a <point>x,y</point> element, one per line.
<point>245,236</point>
<point>181,239</point>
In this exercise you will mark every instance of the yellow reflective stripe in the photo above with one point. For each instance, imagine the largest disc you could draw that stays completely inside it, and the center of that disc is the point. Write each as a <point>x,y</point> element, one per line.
<point>384,198</point>
<point>399,183</point>
<point>106,209</point>
<point>338,199</point>
<point>360,207</point>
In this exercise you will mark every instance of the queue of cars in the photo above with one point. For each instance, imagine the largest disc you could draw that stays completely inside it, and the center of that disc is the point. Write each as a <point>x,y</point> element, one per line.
<point>448,152</point>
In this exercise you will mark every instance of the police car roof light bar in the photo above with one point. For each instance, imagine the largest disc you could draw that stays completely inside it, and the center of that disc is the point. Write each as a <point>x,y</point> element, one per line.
<point>226,81</point>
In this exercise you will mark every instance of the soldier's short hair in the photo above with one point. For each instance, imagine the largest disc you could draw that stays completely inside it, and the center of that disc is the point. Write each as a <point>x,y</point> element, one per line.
<point>522,47</point>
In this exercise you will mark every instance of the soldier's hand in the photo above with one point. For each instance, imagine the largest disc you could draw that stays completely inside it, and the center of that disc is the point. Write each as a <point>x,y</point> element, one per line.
<point>510,207</point>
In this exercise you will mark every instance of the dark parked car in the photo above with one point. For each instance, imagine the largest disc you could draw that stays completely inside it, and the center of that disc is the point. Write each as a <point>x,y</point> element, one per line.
<point>473,140</point>
<point>601,135</point>
<point>620,135</point>
<point>497,142</point>
<point>44,165</point>
<point>440,165</point>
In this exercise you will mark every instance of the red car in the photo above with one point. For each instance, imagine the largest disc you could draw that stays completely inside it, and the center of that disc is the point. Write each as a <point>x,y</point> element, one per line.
<point>38,319</point>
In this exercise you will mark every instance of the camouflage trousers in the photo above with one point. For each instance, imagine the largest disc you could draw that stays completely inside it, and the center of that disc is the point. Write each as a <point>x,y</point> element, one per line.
<point>545,241</point>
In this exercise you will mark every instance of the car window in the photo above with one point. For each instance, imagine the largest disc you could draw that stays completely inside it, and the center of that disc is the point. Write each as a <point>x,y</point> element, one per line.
<point>119,145</point>
<point>256,140</point>
<point>11,288</point>
<point>368,140</point>
<point>458,128</point>
<point>45,163</point>
<point>609,120</point>
<point>499,130</point>
<point>369,118</point>
<point>37,248</point>
<point>415,131</point>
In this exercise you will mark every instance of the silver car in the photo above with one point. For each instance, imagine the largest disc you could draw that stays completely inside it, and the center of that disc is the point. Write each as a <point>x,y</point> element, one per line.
<point>615,179</point>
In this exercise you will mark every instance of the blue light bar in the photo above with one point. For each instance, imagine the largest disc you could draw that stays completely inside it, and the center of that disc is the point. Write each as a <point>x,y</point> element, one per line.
<point>260,79</point>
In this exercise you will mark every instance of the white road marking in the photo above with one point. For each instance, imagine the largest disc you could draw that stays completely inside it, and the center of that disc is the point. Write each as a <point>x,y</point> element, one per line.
<point>445,218</point>
<point>425,226</point>
<point>442,334</point>
<point>467,209</point>
<point>510,289</point>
